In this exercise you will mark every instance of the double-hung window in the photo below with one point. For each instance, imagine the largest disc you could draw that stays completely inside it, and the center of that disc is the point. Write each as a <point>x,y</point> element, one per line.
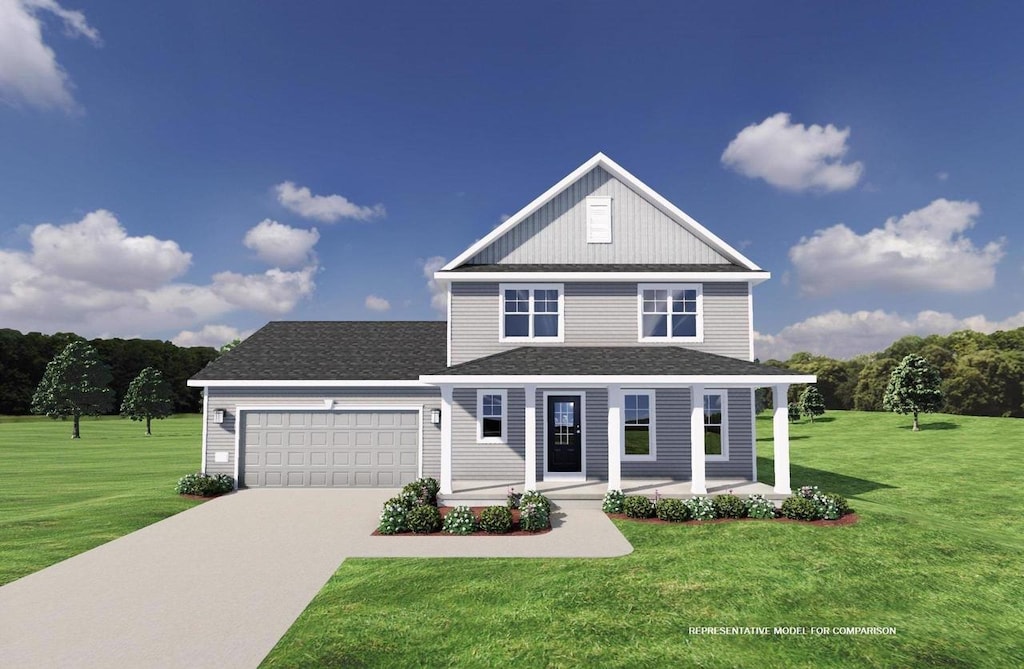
<point>531,312</point>
<point>716,446</point>
<point>670,312</point>
<point>492,416</point>
<point>638,419</point>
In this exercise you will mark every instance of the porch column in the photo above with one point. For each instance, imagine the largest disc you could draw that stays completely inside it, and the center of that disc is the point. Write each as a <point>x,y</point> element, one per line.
<point>446,440</point>
<point>614,437</point>
<point>530,425</point>
<point>698,483</point>
<point>780,432</point>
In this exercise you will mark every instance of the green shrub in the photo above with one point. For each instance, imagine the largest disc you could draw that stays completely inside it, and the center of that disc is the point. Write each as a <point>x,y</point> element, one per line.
<point>405,499</point>
<point>701,508</point>
<point>729,506</point>
<point>758,506</point>
<point>672,510</point>
<point>533,517</point>
<point>534,497</point>
<point>205,485</point>
<point>460,520</point>
<point>496,520</point>
<point>424,519</point>
<point>394,518</point>
<point>800,508</point>
<point>638,506</point>
<point>613,501</point>
<point>842,505</point>
<point>423,490</point>
<point>512,501</point>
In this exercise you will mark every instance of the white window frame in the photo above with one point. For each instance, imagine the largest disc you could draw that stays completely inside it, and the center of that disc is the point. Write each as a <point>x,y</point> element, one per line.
<point>560,287</point>
<point>724,394</point>
<point>641,287</point>
<point>480,438</point>
<point>593,236</point>
<point>652,455</point>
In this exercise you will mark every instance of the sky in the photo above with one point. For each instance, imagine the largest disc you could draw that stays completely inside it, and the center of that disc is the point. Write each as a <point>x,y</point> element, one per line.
<point>190,170</point>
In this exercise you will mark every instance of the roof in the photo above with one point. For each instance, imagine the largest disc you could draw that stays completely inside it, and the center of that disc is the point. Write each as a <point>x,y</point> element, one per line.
<point>333,350</point>
<point>581,267</point>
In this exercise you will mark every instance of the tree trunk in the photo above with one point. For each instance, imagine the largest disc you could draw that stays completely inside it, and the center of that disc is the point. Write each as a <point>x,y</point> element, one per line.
<point>148,431</point>
<point>917,426</point>
<point>75,434</point>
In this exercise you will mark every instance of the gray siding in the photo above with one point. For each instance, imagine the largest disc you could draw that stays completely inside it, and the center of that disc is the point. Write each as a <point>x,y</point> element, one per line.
<point>597,314</point>
<point>222,437</point>
<point>557,232</point>
<point>671,435</point>
<point>491,462</point>
<point>741,449</point>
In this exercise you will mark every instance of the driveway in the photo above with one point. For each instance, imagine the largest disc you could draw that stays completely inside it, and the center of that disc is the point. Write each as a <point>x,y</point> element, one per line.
<point>219,584</point>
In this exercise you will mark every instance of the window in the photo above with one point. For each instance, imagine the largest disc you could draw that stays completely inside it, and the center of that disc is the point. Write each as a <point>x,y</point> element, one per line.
<point>531,311</point>
<point>599,219</point>
<point>715,443</point>
<point>491,411</point>
<point>671,312</point>
<point>638,418</point>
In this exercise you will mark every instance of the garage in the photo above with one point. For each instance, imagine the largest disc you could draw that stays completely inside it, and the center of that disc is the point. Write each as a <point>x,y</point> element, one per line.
<point>329,449</point>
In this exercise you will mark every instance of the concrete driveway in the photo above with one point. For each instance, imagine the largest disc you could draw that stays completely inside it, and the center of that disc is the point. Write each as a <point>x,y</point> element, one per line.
<point>219,584</point>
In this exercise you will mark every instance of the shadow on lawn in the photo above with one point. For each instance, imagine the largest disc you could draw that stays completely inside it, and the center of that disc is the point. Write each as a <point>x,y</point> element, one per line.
<point>848,486</point>
<point>937,425</point>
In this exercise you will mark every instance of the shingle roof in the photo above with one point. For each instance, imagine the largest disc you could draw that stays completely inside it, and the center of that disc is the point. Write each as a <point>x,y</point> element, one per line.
<point>609,360</point>
<point>334,350</point>
<point>580,267</point>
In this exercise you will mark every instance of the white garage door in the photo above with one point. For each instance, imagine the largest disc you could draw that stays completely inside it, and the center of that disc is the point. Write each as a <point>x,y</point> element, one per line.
<point>330,449</point>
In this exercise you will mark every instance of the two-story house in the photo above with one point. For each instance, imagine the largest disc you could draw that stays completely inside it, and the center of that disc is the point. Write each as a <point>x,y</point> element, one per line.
<point>599,338</point>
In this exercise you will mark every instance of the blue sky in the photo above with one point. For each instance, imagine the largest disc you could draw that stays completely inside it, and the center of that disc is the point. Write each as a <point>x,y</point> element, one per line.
<point>164,164</point>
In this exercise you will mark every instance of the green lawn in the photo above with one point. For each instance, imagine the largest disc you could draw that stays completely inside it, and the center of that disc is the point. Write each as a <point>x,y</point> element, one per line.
<point>61,497</point>
<point>951,586</point>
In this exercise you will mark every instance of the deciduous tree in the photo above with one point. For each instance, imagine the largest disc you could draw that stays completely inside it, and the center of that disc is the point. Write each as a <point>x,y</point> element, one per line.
<point>148,397</point>
<point>811,402</point>
<point>75,384</point>
<point>914,387</point>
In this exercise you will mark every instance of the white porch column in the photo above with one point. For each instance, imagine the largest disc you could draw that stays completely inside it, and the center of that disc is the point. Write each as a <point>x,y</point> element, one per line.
<point>780,432</point>
<point>614,437</point>
<point>446,440</point>
<point>530,425</point>
<point>698,484</point>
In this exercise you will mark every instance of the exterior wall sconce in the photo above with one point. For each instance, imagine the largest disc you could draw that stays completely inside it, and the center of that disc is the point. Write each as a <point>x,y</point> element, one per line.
<point>218,416</point>
<point>435,416</point>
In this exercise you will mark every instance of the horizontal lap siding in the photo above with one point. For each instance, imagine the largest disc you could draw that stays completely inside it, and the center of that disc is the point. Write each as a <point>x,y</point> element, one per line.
<point>494,462</point>
<point>741,450</point>
<point>671,435</point>
<point>597,434</point>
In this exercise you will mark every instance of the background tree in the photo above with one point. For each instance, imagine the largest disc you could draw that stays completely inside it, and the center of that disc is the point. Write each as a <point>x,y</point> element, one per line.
<point>794,412</point>
<point>811,402</point>
<point>148,397</point>
<point>914,387</point>
<point>228,346</point>
<point>74,384</point>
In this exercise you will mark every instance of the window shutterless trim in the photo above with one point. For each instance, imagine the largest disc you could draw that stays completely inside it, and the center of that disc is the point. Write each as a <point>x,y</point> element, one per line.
<point>699,330</point>
<point>531,287</point>
<point>652,454</point>
<point>724,456</point>
<point>480,438</point>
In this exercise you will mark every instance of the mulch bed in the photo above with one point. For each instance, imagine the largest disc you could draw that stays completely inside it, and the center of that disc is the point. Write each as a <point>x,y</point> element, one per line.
<point>848,519</point>
<point>516,532</point>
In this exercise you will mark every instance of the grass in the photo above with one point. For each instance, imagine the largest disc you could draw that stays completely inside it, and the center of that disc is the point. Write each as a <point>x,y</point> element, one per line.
<point>937,554</point>
<point>61,497</point>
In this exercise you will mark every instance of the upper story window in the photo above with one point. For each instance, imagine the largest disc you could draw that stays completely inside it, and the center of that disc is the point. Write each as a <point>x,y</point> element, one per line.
<point>599,219</point>
<point>531,312</point>
<point>671,312</point>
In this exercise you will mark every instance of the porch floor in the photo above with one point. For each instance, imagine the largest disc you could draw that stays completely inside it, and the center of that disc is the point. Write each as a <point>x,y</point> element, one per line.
<point>488,492</point>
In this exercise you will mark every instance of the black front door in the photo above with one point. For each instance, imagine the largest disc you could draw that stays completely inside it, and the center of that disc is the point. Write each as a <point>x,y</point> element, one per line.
<point>565,442</point>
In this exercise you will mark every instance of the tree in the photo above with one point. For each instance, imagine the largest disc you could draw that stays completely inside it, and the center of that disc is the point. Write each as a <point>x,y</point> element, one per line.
<point>811,402</point>
<point>914,387</point>
<point>148,397</point>
<point>229,346</point>
<point>74,384</point>
<point>794,412</point>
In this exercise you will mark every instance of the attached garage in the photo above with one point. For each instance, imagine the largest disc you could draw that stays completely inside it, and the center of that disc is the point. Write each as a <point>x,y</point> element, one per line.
<point>358,448</point>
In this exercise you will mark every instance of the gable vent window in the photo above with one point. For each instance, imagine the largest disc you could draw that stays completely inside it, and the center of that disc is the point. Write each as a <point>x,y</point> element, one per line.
<point>599,219</point>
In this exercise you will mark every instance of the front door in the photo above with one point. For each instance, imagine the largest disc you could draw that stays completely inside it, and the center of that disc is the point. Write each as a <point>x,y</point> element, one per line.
<point>565,441</point>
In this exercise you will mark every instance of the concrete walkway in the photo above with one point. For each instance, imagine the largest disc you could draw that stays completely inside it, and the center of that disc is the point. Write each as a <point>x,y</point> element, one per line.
<point>219,584</point>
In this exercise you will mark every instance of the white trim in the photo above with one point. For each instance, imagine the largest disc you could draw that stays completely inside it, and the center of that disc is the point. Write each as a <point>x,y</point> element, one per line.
<point>724,394</point>
<point>652,455</point>
<point>530,437</point>
<point>615,438</point>
<point>780,438</point>
<point>329,383</point>
<point>698,468</point>
<point>603,277</point>
<point>595,235</point>
<point>480,438</point>
<point>567,476</point>
<point>448,327</point>
<point>753,433</point>
<point>604,380</point>
<point>750,317</point>
<point>609,165</point>
<point>446,440</point>
<point>206,420</point>
<point>531,287</point>
<point>641,287</point>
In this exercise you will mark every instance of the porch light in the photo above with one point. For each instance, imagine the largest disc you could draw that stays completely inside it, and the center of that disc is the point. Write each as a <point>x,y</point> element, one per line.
<point>435,416</point>
<point>218,415</point>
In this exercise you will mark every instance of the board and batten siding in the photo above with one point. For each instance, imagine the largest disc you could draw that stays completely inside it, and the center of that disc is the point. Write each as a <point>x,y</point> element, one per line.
<point>557,232</point>
<point>221,437</point>
<point>597,314</point>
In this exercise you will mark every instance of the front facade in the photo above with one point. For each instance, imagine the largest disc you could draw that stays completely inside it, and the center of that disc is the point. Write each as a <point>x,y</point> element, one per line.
<point>598,335</point>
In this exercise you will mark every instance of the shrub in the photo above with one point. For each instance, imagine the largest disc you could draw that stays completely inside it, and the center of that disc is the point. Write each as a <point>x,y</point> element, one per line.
<point>496,520</point>
<point>613,501</point>
<point>424,519</point>
<point>800,508</point>
<point>513,499</point>
<point>460,520</point>
<point>405,499</point>
<point>533,517</point>
<point>423,490</point>
<point>394,518</point>
<point>534,497</point>
<point>701,508</point>
<point>830,506</point>
<point>205,485</point>
<point>758,506</point>
<point>672,510</point>
<point>729,506</point>
<point>808,491</point>
<point>638,506</point>
<point>841,503</point>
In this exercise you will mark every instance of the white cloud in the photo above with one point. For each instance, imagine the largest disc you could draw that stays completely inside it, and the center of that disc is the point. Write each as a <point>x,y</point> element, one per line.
<point>374,303</point>
<point>922,250</point>
<point>438,290</point>
<point>326,208</point>
<point>942,176</point>
<point>843,335</point>
<point>210,335</point>
<point>793,156</point>
<point>282,245</point>
<point>29,71</point>
<point>275,291</point>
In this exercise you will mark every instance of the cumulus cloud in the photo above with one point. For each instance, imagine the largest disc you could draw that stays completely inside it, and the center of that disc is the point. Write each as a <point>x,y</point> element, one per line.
<point>29,71</point>
<point>843,335</point>
<point>793,156</point>
<point>275,291</point>
<point>438,290</point>
<point>374,303</point>
<point>923,250</point>
<point>280,244</point>
<point>210,335</point>
<point>326,208</point>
